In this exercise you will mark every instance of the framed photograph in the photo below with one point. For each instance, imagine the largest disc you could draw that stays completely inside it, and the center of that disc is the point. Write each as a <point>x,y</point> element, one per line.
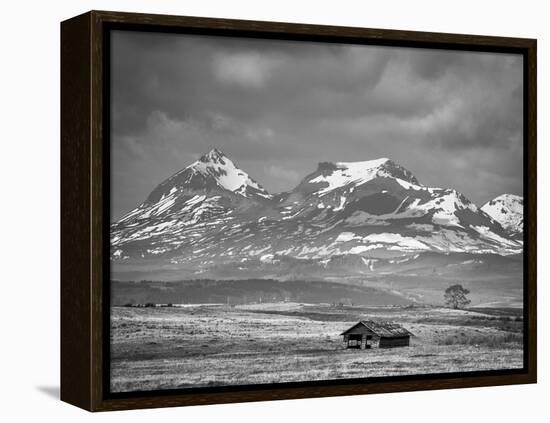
<point>259,211</point>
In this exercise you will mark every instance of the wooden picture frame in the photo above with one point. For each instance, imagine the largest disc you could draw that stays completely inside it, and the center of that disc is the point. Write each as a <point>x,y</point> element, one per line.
<point>85,187</point>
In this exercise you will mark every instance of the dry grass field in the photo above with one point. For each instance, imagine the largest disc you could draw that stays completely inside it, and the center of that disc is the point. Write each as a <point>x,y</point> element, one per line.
<point>214,345</point>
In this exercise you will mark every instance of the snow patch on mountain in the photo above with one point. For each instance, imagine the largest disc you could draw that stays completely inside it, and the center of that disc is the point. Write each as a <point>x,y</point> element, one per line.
<point>345,237</point>
<point>405,242</point>
<point>358,173</point>
<point>380,239</point>
<point>487,233</point>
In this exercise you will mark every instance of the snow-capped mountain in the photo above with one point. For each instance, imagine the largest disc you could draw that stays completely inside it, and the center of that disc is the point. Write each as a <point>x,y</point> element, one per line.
<point>203,189</point>
<point>376,191</point>
<point>213,171</point>
<point>213,215</point>
<point>507,209</point>
<point>210,188</point>
<point>380,194</point>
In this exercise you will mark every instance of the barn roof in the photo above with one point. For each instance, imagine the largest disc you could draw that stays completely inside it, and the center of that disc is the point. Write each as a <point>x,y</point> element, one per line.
<point>382,329</point>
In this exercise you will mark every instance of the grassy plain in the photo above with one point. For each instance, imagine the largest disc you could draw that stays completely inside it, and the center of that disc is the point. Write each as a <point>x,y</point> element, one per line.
<point>215,345</point>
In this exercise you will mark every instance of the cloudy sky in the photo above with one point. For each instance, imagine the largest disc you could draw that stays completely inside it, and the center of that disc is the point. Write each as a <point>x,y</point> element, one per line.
<point>277,108</point>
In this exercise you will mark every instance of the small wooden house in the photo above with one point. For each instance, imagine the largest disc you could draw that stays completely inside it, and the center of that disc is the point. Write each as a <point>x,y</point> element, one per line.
<point>368,334</point>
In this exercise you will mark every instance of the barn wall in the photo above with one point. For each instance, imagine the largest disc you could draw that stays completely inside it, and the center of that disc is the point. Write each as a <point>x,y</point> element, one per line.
<point>394,342</point>
<point>372,339</point>
<point>360,330</point>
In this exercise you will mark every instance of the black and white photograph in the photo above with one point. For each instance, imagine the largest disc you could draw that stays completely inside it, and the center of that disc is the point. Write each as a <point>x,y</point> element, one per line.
<point>288,211</point>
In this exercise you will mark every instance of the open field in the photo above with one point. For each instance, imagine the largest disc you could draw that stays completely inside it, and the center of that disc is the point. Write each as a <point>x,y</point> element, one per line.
<point>213,345</point>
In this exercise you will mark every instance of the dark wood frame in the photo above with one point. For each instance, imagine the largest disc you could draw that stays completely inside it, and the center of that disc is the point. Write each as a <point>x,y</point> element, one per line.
<point>83,174</point>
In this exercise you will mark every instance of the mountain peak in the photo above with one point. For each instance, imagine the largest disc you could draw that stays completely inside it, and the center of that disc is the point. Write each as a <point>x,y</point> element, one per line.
<point>508,197</point>
<point>214,155</point>
<point>339,174</point>
<point>217,168</point>
<point>213,171</point>
<point>367,164</point>
<point>506,209</point>
<point>509,200</point>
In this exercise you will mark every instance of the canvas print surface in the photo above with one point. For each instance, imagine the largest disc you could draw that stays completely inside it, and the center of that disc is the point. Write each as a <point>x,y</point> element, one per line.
<point>287,211</point>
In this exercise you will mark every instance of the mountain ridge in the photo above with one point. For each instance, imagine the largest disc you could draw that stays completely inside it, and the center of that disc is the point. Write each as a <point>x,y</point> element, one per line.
<point>212,213</point>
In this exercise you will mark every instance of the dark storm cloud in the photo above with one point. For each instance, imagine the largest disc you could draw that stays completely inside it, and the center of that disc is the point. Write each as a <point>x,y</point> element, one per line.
<point>278,107</point>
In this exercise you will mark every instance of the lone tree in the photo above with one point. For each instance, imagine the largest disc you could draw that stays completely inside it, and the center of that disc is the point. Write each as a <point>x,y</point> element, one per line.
<point>455,296</point>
